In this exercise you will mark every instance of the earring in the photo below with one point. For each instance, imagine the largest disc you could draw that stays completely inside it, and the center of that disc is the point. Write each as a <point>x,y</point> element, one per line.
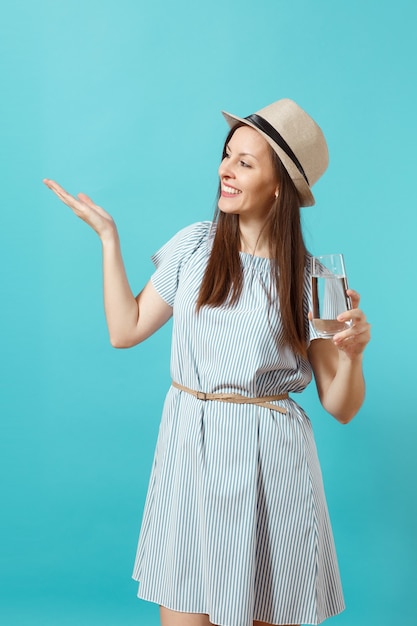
<point>276,195</point>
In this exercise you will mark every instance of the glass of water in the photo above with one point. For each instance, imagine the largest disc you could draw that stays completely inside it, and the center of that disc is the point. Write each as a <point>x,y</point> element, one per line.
<point>329,285</point>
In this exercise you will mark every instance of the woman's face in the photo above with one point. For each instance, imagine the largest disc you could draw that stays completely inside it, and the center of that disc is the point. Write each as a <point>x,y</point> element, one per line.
<point>247,175</point>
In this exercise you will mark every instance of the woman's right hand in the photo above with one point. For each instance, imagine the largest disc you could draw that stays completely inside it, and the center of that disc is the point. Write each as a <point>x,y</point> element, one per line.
<point>130,320</point>
<point>85,209</point>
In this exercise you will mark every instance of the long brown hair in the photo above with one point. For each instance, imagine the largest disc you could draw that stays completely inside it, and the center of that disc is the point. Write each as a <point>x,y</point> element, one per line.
<point>223,278</point>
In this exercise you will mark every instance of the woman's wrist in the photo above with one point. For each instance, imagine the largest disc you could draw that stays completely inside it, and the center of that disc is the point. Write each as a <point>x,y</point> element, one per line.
<point>352,360</point>
<point>109,236</point>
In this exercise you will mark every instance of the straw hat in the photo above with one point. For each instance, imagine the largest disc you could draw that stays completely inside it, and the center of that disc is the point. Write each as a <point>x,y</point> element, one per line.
<point>296,138</point>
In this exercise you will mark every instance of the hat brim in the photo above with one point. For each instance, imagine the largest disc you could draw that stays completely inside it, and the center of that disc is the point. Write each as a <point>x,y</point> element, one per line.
<point>304,191</point>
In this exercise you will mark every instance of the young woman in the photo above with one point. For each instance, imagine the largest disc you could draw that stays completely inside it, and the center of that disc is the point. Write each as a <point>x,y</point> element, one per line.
<point>235,530</point>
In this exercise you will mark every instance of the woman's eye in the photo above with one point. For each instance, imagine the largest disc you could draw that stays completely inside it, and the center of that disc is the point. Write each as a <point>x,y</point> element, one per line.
<point>244,164</point>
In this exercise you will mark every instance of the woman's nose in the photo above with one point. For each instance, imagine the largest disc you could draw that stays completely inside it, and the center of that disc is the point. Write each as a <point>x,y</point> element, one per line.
<point>226,169</point>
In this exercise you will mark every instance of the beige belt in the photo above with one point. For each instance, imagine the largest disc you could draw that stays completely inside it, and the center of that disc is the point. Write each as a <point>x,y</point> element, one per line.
<point>264,401</point>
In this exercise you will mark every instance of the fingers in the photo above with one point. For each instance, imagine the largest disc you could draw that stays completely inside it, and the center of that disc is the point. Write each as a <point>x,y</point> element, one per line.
<point>354,298</point>
<point>77,203</point>
<point>84,208</point>
<point>63,195</point>
<point>72,201</point>
<point>84,198</point>
<point>51,184</point>
<point>87,200</point>
<point>352,316</point>
<point>357,332</point>
<point>353,340</point>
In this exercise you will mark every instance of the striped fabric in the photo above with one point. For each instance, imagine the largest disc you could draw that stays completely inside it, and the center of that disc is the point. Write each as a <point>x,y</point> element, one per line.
<point>333,298</point>
<point>235,522</point>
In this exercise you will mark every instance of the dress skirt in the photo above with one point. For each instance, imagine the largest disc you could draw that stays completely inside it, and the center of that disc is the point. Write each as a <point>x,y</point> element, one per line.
<point>235,522</point>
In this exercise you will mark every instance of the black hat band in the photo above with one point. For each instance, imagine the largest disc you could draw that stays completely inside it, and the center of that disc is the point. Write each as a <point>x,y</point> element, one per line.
<point>268,129</point>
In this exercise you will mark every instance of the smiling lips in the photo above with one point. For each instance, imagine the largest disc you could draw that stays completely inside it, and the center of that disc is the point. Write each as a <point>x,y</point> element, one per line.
<point>228,192</point>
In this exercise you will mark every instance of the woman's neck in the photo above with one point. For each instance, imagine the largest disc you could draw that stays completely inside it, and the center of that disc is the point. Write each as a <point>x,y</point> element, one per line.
<point>253,239</point>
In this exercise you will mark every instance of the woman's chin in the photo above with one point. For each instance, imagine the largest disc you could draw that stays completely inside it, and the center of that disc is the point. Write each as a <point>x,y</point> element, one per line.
<point>225,207</point>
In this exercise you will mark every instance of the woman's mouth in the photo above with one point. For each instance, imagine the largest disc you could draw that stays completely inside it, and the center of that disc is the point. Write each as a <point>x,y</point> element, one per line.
<point>229,192</point>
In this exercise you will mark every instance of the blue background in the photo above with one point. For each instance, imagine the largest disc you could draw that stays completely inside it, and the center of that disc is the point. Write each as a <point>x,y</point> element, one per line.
<point>121,100</point>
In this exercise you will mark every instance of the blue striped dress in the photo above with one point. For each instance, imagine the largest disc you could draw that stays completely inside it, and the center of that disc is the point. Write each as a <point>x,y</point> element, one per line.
<point>235,522</point>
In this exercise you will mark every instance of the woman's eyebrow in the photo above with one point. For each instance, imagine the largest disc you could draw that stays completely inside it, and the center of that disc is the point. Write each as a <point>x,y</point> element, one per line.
<point>248,154</point>
<point>243,153</point>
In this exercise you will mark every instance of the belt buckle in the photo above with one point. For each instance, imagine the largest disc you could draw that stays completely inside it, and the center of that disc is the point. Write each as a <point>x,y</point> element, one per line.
<point>201,395</point>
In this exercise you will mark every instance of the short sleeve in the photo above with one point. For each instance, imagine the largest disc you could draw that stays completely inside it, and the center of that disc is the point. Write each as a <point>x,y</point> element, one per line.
<point>170,259</point>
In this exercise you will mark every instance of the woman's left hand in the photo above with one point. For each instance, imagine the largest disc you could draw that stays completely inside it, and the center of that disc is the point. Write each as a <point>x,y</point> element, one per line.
<point>353,340</point>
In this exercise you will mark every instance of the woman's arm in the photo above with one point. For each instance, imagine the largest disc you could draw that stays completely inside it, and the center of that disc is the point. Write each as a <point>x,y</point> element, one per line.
<point>130,320</point>
<point>337,365</point>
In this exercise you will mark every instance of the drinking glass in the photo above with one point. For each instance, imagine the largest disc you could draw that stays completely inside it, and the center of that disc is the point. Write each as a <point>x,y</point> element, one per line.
<point>329,285</point>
